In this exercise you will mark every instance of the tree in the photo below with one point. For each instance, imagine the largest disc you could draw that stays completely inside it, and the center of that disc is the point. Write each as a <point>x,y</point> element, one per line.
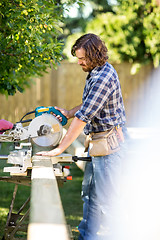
<point>131,32</point>
<point>29,43</point>
<point>85,13</point>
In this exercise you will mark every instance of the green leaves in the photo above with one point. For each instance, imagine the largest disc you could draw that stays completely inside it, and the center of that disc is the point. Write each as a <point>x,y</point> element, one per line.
<point>29,32</point>
<point>131,32</point>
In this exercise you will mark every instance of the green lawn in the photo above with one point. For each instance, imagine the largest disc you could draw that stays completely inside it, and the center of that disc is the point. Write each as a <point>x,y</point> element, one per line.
<point>70,196</point>
<point>71,199</point>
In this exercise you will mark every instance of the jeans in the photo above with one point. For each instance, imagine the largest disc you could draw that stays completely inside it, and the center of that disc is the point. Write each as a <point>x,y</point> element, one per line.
<point>102,216</point>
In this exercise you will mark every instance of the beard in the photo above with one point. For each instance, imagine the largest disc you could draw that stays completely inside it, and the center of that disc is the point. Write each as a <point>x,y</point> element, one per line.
<point>86,68</point>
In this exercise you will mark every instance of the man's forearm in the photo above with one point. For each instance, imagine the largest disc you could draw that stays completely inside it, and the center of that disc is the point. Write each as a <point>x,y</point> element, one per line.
<point>73,132</point>
<point>73,111</point>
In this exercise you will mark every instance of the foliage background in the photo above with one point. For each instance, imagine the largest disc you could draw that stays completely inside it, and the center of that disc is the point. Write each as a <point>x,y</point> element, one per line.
<point>29,33</point>
<point>130,29</point>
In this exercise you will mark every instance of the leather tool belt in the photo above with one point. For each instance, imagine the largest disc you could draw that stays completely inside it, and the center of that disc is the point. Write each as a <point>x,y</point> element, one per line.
<point>102,143</point>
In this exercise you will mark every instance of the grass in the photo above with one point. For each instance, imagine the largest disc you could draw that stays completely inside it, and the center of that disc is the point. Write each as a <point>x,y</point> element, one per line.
<point>71,200</point>
<point>70,196</point>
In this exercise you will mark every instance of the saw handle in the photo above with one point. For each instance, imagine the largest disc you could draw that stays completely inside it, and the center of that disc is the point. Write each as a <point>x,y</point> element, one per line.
<point>40,110</point>
<point>57,112</point>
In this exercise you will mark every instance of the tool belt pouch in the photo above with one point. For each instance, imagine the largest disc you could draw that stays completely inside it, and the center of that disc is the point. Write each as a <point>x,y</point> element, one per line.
<point>102,144</point>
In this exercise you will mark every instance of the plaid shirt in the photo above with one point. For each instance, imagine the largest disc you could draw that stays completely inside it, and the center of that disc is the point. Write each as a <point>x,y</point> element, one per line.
<point>102,105</point>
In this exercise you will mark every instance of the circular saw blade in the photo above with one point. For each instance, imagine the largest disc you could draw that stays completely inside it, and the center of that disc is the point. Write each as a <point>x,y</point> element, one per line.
<point>45,130</point>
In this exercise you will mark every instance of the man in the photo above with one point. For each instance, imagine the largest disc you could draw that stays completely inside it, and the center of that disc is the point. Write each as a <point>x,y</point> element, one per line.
<point>102,109</point>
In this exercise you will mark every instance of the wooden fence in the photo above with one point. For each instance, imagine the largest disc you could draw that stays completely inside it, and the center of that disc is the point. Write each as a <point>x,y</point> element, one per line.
<point>64,87</point>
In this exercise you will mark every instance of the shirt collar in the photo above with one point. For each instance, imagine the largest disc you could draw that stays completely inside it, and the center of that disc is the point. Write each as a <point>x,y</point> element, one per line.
<point>96,70</point>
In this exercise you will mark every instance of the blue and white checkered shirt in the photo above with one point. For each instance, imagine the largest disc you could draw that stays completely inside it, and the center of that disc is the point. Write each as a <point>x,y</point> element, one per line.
<point>102,100</point>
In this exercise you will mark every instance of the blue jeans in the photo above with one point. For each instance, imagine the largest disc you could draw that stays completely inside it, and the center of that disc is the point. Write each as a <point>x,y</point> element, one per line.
<point>102,214</point>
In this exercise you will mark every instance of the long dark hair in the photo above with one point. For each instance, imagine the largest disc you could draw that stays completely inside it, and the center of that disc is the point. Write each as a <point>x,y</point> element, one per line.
<point>95,49</point>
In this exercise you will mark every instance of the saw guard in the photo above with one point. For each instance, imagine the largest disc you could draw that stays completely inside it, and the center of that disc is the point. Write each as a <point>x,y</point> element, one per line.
<point>45,130</point>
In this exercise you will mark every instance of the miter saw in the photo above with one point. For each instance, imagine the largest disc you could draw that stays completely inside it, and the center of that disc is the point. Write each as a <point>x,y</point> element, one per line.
<point>45,130</point>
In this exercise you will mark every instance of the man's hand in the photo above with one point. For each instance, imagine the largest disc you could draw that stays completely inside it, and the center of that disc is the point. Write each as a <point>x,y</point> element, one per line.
<point>63,111</point>
<point>54,152</point>
<point>68,114</point>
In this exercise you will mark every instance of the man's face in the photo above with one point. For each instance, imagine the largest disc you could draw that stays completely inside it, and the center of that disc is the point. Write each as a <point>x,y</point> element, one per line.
<point>80,54</point>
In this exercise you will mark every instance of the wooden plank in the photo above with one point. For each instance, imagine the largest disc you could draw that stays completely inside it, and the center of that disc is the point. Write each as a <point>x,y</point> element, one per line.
<point>3,157</point>
<point>47,219</point>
